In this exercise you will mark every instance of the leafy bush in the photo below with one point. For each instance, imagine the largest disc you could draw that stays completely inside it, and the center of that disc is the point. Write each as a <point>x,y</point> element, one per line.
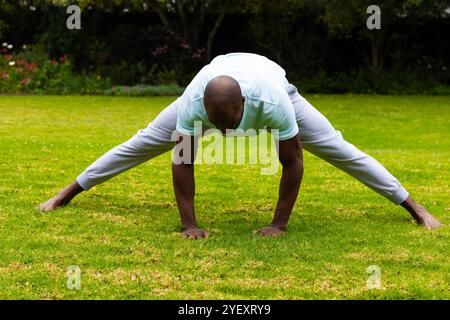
<point>363,82</point>
<point>31,71</point>
<point>145,90</point>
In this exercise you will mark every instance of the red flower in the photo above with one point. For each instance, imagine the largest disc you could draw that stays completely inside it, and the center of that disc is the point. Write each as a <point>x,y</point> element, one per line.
<point>21,62</point>
<point>4,75</point>
<point>31,67</point>
<point>63,58</point>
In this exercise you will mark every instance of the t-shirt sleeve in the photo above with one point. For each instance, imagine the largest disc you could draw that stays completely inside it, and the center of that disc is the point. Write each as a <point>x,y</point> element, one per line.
<point>185,117</point>
<point>283,118</point>
<point>185,121</point>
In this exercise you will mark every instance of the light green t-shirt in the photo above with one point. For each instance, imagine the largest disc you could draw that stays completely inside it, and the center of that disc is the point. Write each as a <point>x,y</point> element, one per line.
<point>262,81</point>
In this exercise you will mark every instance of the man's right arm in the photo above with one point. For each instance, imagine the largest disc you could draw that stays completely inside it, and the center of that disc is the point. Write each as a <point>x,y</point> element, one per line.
<point>184,185</point>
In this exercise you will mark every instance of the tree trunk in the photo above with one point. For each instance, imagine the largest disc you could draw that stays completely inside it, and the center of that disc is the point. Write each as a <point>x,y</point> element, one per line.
<point>380,41</point>
<point>212,35</point>
<point>163,17</point>
<point>375,52</point>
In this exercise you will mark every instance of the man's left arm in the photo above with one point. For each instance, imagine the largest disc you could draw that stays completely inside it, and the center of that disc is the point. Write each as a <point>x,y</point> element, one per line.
<point>291,157</point>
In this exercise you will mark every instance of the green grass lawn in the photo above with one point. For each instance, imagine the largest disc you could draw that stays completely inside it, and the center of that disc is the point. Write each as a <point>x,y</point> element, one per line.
<point>124,234</point>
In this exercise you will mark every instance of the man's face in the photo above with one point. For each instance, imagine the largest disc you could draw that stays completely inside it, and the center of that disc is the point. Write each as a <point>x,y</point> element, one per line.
<point>227,118</point>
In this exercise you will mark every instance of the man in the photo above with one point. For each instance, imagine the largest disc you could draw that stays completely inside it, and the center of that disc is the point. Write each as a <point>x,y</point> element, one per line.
<point>242,90</point>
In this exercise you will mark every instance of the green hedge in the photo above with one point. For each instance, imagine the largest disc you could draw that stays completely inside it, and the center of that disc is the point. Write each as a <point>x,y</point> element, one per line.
<point>145,90</point>
<point>362,82</point>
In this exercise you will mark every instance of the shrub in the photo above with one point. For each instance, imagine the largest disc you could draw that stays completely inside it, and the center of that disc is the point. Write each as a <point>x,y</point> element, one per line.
<point>363,82</point>
<point>145,90</point>
<point>31,71</point>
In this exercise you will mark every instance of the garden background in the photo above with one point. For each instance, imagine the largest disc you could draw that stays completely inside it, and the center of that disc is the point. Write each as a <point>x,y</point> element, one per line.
<point>386,90</point>
<point>324,45</point>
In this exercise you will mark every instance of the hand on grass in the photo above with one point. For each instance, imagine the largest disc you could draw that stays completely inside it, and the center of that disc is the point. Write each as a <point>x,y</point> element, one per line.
<point>270,231</point>
<point>194,233</point>
<point>51,204</point>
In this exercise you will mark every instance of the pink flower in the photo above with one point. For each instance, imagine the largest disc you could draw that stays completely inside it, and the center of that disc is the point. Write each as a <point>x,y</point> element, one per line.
<point>25,81</point>
<point>63,58</point>
<point>159,51</point>
<point>4,75</point>
<point>186,46</point>
<point>198,53</point>
<point>21,62</point>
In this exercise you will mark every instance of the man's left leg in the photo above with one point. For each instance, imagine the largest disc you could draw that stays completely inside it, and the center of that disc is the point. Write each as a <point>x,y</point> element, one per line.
<point>320,138</point>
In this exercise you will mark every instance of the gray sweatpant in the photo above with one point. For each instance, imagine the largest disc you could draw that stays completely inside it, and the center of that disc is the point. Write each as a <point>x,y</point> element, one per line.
<point>316,134</point>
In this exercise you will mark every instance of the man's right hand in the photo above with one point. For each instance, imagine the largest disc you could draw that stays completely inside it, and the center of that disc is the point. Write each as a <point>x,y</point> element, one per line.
<point>194,233</point>
<point>62,198</point>
<point>51,204</point>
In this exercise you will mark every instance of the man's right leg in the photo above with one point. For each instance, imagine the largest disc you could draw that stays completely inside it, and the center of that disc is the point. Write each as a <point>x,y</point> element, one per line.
<point>320,138</point>
<point>145,145</point>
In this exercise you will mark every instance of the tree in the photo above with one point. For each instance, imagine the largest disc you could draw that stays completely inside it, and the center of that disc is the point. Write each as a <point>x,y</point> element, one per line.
<point>283,30</point>
<point>349,21</point>
<point>190,19</point>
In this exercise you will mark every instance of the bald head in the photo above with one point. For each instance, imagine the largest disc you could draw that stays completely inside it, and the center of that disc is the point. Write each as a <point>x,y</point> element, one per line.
<point>224,103</point>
